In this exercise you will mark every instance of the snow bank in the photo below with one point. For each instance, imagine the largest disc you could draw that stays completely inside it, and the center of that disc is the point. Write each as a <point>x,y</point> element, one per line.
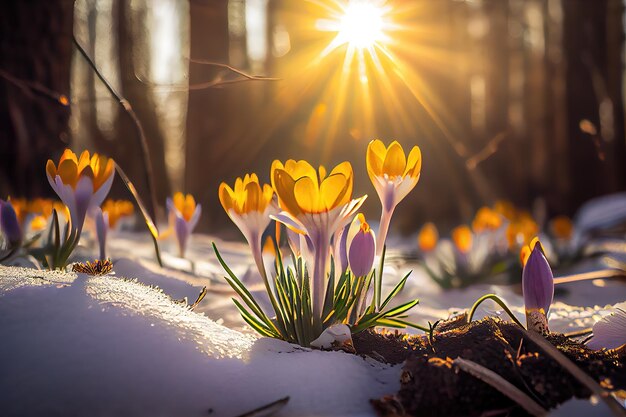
<point>102,346</point>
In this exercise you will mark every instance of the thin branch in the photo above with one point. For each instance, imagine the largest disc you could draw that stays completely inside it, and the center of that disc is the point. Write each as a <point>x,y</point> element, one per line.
<point>233,69</point>
<point>217,82</point>
<point>487,151</point>
<point>31,86</point>
<point>585,276</point>
<point>143,141</point>
<point>268,409</point>
<point>497,382</point>
<point>579,333</point>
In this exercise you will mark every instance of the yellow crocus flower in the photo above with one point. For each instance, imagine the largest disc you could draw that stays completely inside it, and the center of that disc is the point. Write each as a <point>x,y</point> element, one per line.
<point>394,175</point>
<point>247,196</point>
<point>462,238</point>
<point>117,209</point>
<point>521,230</point>
<point>562,227</point>
<point>428,237</point>
<point>39,222</point>
<point>184,213</point>
<point>505,208</point>
<point>317,204</point>
<point>301,189</point>
<point>20,206</point>
<point>249,205</point>
<point>486,219</point>
<point>81,182</point>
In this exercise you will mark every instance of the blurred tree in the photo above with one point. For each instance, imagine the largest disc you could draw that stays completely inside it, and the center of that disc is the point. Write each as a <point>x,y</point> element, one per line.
<point>35,58</point>
<point>593,45</point>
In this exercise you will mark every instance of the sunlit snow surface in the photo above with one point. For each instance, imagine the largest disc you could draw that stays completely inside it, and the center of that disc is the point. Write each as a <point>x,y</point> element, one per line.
<point>118,345</point>
<point>103,346</point>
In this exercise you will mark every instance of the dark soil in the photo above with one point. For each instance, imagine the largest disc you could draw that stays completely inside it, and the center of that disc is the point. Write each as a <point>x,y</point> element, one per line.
<point>432,386</point>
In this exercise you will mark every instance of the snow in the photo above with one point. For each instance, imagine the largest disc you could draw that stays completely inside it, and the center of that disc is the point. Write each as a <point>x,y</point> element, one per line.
<point>119,345</point>
<point>104,346</point>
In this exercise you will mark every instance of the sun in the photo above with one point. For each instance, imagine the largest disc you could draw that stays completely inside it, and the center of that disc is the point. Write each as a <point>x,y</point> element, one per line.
<point>362,24</point>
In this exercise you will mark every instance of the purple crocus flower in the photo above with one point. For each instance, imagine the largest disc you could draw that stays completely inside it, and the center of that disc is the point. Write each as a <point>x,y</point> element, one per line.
<point>9,224</point>
<point>610,331</point>
<point>361,244</point>
<point>538,290</point>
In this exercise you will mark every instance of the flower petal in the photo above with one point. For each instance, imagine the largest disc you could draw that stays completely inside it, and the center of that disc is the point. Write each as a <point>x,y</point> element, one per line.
<point>334,191</point>
<point>361,252</point>
<point>375,157</point>
<point>289,221</point>
<point>82,200</point>
<point>395,160</point>
<point>284,185</point>
<point>102,192</point>
<point>226,196</point>
<point>414,163</point>
<point>182,235</point>
<point>68,172</point>
<point>610,331</point>
<point>307,195</point>
<point>68,154</point>
<point>193,221</point>
<point>9,224</point>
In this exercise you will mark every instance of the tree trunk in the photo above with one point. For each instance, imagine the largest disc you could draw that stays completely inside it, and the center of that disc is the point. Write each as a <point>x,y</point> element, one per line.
<point>594,93</point>
<point>35,52</point>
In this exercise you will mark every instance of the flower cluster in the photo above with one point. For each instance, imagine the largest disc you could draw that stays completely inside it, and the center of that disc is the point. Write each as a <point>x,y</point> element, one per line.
<point>333,248</point>
<point>488,245</point>
<point>34,215</point>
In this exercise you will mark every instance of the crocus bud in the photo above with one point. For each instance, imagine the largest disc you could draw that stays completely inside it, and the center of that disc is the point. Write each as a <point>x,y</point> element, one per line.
<point>9,224</point>
<point>361,247</point>
<point>538,290</point>
<point>428,237</point>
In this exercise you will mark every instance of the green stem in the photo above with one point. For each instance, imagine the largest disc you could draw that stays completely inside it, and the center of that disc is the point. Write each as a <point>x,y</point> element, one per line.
<point>499,301</point>
<point>378,284</point>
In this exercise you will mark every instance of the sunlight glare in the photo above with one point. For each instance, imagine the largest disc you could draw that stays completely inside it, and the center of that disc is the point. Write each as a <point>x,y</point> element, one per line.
<point>361,24</point>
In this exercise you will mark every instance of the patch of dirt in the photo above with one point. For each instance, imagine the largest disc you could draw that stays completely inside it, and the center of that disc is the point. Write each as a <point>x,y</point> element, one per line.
<point>432,386</point>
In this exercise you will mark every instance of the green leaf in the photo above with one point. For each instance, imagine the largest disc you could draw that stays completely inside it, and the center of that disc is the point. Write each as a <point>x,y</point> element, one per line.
<point>395,291</point>
<point>249,301</point>
<point>400,309</point>
<point>239,285</point>
<point>253,322</point>
<point>390,323</point>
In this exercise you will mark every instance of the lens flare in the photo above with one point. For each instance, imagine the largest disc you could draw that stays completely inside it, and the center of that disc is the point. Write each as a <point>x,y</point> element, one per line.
<point>361,25</point>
